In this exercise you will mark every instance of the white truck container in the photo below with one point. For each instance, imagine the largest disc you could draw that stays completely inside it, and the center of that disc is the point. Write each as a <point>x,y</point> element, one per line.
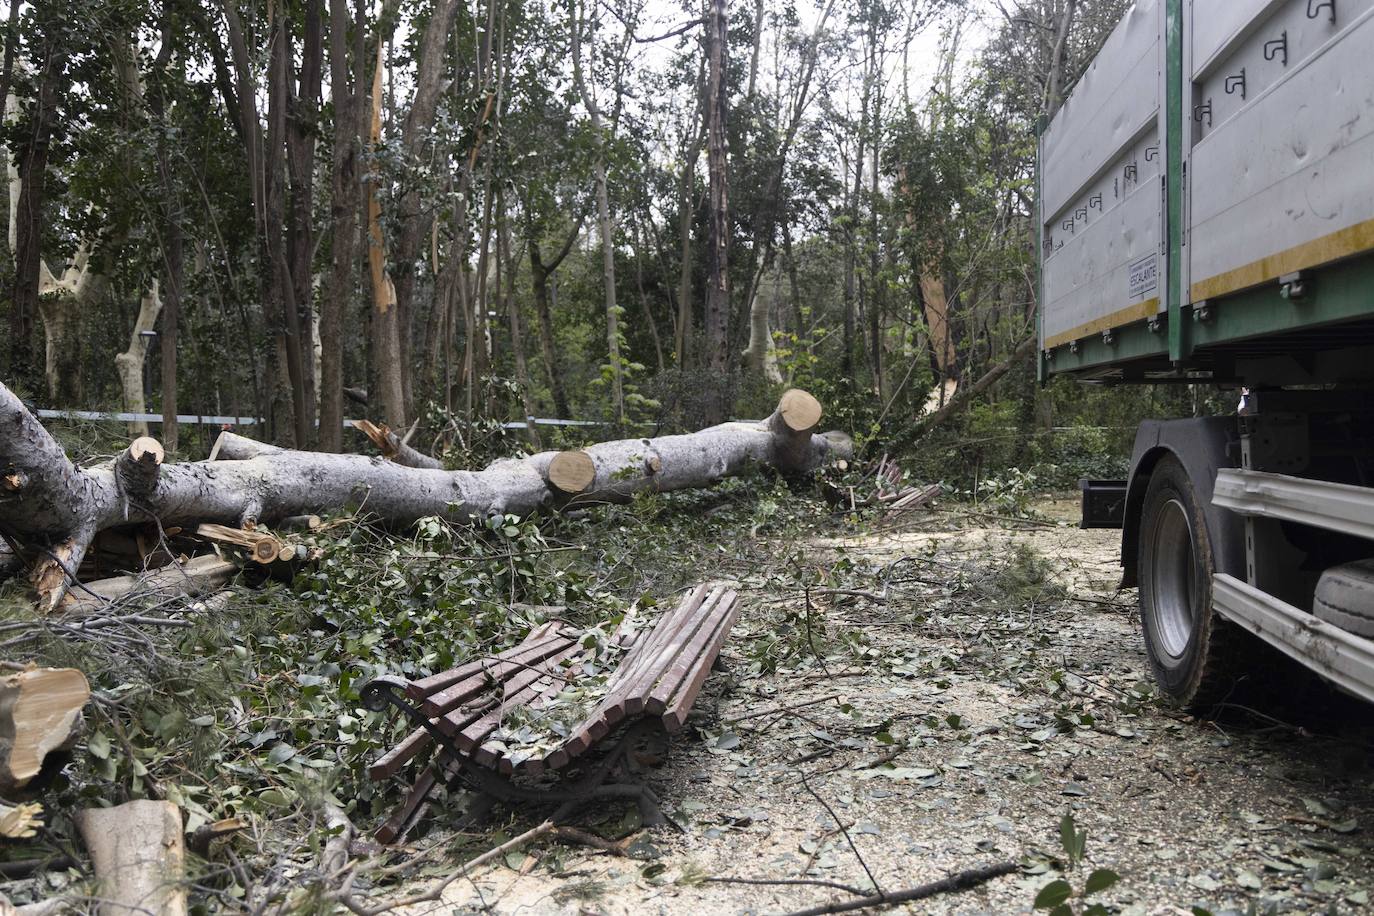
<point>1206,215</point>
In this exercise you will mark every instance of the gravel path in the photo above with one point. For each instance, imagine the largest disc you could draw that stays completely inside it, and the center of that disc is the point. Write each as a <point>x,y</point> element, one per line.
<point>1002,685</point>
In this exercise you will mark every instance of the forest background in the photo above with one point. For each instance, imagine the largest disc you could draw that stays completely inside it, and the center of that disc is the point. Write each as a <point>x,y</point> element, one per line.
<point>446,216</point>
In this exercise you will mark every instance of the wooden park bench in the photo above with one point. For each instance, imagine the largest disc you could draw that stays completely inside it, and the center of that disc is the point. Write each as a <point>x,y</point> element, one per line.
<point>461,711</point>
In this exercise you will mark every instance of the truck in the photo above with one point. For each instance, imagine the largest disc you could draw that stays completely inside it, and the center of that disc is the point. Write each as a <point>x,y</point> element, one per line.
<point>1205,216</point>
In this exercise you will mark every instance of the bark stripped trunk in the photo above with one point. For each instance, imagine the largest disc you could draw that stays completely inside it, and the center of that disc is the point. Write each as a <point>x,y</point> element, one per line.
<point>129,364</point>
<point>61,507</point>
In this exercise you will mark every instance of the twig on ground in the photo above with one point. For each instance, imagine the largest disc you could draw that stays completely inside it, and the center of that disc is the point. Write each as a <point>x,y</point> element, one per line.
<point>959,881</point>
<point>768,712</point>
<point>848,839</point>
<point>814,882</point>
<point>435,892</point>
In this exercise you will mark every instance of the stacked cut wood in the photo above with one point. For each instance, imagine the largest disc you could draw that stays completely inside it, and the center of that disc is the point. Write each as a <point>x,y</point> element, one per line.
<point>54,510</point>
<point>894,494</point>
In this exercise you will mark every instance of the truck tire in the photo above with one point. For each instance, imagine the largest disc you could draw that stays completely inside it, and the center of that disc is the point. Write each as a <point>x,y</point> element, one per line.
<point>1189,646</point>
<point>1345,597</point>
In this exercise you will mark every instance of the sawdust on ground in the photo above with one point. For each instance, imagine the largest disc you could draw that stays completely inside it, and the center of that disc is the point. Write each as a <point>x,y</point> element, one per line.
<point>961,734</point>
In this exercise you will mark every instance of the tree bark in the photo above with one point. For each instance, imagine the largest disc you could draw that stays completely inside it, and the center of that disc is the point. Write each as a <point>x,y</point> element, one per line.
<point>61,506</point>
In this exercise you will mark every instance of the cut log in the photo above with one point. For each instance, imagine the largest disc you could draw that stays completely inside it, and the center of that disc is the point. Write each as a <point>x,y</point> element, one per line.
<point>40,712</point>
<point>137,856</point>
<point>62,506</point>
<point>572,472</point>
<point>198,576</point>
<point>393,448</point>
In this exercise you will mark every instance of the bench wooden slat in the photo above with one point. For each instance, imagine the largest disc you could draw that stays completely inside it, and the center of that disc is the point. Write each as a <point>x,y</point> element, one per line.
<point>390,763</point>
<point>521,690</point>
<point>675,716</point>
<point>419,690</point>
<point>689,655</point>
<point>495,669</point>
<point>685,627</point>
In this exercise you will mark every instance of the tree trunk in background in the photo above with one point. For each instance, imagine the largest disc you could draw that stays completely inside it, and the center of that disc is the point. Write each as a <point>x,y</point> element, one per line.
<point>34,136</point>
<point>517,336</point>
<point>644,300</point>
<point>129,364</point>
<point>413,217</point>
<point>718,255</point>
<point>540,274</point>
<point>687,201</point>
<point>302,107</point>
<point>604,222</point>
<point>344,203</point>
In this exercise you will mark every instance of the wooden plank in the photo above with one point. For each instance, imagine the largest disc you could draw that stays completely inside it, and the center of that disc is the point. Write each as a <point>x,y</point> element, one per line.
<point>689,658</point>
<point>644,649</point>
<point>406,811</point>
<point>390,763</point>
<point>496,669</point>
<point>422,688</point>
<point>675,716</point>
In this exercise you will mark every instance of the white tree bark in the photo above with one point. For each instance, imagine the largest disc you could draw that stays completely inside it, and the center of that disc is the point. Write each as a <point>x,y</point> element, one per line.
<point>60,507</point>
<point>129,364</point>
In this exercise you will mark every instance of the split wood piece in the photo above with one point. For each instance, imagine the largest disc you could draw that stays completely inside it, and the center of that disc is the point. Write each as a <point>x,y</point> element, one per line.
<point>137,856</point>
<point>198,576</point>
<point>60,507</point>
<point>40,712</point>
<point>262,548</point>
<point>393,448</point>
<point>914,498</point>
<point>206,834</point>
<point>299,523</point>
<point>19,822</point>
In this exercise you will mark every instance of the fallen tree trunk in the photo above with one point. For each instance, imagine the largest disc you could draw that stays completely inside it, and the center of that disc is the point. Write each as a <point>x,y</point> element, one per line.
<point>40,712</point>
<point>136,851</point>
<point>58,507</point>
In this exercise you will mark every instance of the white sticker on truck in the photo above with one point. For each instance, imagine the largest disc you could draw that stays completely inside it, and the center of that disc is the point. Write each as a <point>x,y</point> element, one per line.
<point>1144,276</point>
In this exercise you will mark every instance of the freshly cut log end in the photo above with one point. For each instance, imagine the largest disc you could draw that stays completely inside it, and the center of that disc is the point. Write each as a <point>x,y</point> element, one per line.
<point>138,467</point>
<point>799,410</point>
<point>146,449</point>
<point>40,712</point>
<point>136,852</point>
<point>572,472</point>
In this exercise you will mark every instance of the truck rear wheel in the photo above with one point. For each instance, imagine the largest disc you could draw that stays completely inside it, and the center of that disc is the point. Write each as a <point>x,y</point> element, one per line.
<point>1186,642</point>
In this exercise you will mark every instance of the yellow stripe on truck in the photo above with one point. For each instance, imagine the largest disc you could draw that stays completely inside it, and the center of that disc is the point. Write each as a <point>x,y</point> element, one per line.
<point>1342,243</point>
<point>1138,312</point>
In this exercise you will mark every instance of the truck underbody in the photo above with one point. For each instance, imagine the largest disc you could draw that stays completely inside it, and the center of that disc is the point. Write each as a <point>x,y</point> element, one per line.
<point>1206,201</point>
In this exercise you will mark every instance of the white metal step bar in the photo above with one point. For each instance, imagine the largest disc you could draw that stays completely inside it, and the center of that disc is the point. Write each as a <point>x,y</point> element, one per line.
<point>1341,657</point>
<point>1333,506</point>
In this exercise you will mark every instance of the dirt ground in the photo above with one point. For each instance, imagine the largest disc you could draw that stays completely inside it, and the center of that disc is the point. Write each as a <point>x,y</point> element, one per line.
<point>954,729</point>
